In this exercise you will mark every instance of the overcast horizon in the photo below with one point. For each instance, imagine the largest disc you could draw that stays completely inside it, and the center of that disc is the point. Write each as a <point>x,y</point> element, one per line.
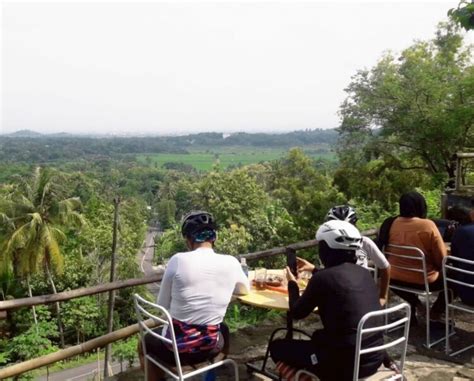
<point>157,68</point>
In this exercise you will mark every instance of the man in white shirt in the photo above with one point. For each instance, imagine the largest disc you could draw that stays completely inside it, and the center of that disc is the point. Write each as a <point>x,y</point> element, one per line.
<point>196,289</point>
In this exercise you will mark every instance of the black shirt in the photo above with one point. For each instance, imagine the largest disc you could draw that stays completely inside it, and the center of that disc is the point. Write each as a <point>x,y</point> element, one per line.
<point>343,294</point>
<point>462,246</point>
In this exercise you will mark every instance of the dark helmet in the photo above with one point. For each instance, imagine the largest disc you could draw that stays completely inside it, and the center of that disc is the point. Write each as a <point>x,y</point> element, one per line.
<point>197,221</point>
<point>342,213</point>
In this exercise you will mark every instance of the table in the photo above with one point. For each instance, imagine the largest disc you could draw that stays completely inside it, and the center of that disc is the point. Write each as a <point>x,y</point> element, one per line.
<point>266,298</point>
<point>272,300</point>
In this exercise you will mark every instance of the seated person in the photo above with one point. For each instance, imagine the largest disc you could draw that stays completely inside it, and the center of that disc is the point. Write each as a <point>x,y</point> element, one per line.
<point>196,289</point>
<point>412,228</point>
<point>368,251</point>
<point>343,293</point>
<point>446,227</point>
<point>462,246</point>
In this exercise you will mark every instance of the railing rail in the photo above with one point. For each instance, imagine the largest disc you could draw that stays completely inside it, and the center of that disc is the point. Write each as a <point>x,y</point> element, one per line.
<point>102,341</point>
<point>294,246</point>
<point>77,293</point>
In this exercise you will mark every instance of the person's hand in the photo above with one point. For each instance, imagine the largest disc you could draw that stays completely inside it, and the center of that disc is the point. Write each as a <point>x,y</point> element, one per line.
<point>304,265</point>
<point>289,275</point>
<point>382,301</point>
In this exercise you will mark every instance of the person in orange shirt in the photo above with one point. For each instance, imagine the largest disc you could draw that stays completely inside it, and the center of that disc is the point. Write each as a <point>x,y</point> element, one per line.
<point>412,228</point>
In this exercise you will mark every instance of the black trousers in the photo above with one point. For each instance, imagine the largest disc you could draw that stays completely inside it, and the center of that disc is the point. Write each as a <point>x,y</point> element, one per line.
<point>322,359</point>
<point>413,300</point>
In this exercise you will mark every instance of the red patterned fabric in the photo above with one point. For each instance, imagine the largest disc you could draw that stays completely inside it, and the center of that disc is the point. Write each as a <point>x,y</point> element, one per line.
<point>288,373</point>
<point>192,338</point>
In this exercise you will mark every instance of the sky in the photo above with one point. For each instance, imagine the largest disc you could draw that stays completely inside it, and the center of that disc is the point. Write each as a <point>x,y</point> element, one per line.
<point>182,67</point>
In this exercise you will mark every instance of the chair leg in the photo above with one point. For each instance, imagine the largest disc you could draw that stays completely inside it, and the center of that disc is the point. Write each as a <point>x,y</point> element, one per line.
<point>428,338</point>
<point>236,368</point>
<point>146,368</point>
<point>447,329</point>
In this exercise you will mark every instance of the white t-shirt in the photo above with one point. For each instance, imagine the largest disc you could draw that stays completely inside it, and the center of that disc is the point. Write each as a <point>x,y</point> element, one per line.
<point>197,285</point>
<point>370,251</point>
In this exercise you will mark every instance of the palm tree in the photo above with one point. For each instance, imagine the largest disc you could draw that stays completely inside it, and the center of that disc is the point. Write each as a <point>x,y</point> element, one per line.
<point>38,216</point>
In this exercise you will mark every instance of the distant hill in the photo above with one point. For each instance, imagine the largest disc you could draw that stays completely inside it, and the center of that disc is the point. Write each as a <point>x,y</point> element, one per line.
<point>24,134</point>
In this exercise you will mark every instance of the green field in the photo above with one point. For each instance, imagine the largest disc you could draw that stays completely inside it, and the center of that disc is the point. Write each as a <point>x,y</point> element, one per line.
<point>204,159</point>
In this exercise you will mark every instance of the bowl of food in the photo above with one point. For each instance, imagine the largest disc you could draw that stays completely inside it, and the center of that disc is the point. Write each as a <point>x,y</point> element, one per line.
<point>274,280</point>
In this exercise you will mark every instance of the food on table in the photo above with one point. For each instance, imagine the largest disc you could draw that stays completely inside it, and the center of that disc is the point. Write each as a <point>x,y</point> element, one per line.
<point>274,280</point>
<point>302,283</point>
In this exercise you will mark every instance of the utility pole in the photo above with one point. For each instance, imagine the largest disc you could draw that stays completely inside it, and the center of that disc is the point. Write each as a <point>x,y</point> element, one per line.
<point>110,312</point>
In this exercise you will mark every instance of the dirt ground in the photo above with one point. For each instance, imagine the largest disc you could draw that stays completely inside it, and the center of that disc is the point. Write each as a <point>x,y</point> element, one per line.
<point>422,364</point>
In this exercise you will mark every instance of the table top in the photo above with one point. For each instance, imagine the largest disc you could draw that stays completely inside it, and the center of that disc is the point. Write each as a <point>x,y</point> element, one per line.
<point>266,299</point>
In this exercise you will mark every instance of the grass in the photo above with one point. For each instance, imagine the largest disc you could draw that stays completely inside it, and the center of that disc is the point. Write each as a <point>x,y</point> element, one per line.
<point>204,158</point>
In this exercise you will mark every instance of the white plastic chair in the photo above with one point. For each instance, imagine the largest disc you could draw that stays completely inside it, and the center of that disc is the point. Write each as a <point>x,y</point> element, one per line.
<point>451,270</point>
<point>402,322</point>
<point>415,254</point>
<point>163,319</point>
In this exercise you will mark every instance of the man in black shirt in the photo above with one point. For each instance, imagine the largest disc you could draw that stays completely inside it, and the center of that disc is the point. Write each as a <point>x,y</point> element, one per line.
<point>343,293</point>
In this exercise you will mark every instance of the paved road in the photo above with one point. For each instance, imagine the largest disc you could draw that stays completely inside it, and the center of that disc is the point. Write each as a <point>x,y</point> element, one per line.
<point>145,258</point>
<point>85,372</point>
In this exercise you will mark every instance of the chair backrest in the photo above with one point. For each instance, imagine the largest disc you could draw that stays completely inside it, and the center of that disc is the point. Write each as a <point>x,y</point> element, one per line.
<point>412,258</point>
<point>149,313</point>
<point>403,321</point>
<point>453,272</point>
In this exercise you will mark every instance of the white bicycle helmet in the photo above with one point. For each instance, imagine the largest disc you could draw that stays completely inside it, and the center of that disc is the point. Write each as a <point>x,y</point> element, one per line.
<point>339,235</point>
<point>342,213</point>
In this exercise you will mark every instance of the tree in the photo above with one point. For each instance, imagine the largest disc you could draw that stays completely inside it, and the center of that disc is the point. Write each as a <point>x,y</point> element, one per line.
<point>303,190</point>
<point>39,215</point>
<point>463,14</point>
<point>415,110</point>
<point>125,350</point>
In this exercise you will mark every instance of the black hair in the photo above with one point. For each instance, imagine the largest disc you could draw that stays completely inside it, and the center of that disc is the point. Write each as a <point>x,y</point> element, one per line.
<point>333,257</point>
<point>459,214</point>
<point>413,204</point>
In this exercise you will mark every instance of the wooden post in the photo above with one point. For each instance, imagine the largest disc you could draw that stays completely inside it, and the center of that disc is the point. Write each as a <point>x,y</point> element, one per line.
<point>110,312</point>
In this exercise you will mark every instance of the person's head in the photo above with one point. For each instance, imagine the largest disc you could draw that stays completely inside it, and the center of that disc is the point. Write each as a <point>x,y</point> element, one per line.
<point>460,214</point>
<point>342,213</point>
<point>198,228</point>
<point>338,242</point>
<point>413,204</point>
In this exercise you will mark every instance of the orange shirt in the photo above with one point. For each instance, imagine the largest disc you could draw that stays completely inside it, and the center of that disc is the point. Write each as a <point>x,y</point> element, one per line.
<point>424,234</point>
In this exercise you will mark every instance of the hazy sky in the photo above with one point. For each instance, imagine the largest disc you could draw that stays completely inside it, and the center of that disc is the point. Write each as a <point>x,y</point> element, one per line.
<point>176,67</point>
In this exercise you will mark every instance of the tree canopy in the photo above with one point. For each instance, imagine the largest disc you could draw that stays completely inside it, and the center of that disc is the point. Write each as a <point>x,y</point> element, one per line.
<point>414,110</point>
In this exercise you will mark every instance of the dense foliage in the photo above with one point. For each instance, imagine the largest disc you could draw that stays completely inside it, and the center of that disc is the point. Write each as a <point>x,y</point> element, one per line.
<point>30,147</point>
<point>408,115</point>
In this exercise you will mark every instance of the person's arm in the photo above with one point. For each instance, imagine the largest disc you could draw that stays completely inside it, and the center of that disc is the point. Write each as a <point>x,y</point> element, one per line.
<point>381,262</point>
<point>242,284</point>
<point>304,265</point>
<point>384,284</point>
<point>302,306</point>
<point>164,296</point>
